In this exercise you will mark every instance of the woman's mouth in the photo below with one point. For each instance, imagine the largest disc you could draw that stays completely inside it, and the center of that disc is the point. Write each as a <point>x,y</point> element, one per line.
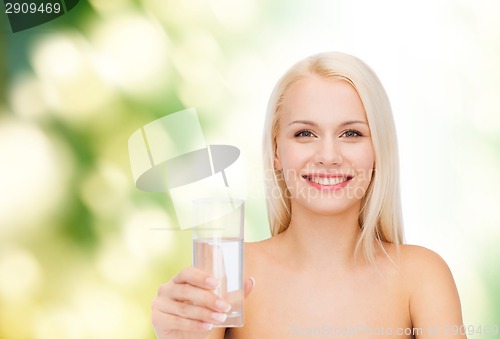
<point>328,182</point>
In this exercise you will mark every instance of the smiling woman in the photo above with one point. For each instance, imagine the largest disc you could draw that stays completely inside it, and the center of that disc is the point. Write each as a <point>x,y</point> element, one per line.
<point>318,150</point>
<point>363,109</point>
<point>335,259</point>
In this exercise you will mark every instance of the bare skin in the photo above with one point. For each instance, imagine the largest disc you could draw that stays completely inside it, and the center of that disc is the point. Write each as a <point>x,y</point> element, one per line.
<point>352,300</point>
<point>309,280</point>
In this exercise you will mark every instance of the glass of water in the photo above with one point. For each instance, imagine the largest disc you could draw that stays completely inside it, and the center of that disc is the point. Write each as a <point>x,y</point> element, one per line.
<point>218,249</point>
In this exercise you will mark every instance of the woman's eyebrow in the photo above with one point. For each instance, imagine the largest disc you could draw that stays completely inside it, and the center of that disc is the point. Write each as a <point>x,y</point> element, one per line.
<point>312,123</point>
<point>352,122</point>
<point>303,122</point>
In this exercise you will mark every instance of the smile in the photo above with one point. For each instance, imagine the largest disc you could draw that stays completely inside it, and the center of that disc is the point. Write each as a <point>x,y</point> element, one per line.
<point>325,182</point>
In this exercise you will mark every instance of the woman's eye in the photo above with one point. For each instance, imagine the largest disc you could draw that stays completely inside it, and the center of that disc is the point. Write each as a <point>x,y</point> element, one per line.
<point>305,134</point>
<point>351,134</point>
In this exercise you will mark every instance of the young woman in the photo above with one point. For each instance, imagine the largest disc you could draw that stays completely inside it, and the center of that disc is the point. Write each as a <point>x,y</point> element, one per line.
<point>335,265</point>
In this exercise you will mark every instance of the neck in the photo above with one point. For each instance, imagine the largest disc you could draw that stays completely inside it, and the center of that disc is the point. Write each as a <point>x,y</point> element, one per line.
<point>317,241</point>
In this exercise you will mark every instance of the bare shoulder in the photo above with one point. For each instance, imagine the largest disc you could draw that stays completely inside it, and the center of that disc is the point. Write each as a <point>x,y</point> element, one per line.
<point>419,266</point>
<point>258,253</point>
<point>417,259</point>
<point>434,299</point>
<point>262,259</point>
<point>256,246</point>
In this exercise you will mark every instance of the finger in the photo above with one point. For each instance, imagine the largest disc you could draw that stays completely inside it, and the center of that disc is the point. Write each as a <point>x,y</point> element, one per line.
<point>248,286</point>
<point>168,322</point>
<point>196,277</point>
<point>197,296</point>
<point>195,312</point>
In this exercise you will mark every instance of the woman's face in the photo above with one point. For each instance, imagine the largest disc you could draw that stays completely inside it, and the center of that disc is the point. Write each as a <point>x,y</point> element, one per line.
<point>324,145</point>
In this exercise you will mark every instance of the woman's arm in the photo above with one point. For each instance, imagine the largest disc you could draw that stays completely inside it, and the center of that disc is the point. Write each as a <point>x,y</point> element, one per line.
<point>434,302</point>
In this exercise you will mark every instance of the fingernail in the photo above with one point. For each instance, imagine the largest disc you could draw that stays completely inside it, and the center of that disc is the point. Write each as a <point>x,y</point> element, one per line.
<point>253,281</point>
<point>206,326</point>
<point>221,317</point>
<point>222,305</point>
<point>212,282</point>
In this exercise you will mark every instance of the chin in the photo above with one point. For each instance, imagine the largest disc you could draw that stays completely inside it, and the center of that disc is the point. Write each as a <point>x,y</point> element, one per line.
<point>329,206</point>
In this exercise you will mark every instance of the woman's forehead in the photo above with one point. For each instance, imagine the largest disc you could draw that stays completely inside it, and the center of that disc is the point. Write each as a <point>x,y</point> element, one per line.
<point>323,99</point>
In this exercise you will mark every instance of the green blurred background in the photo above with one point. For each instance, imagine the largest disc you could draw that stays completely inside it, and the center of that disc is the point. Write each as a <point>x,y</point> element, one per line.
<point>78,256</point>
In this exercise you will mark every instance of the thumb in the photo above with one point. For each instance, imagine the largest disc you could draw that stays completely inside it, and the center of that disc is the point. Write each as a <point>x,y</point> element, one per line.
<point>249,285</point>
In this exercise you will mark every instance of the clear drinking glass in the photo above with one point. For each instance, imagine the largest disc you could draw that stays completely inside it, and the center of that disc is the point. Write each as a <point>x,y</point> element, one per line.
<point>218,249</point>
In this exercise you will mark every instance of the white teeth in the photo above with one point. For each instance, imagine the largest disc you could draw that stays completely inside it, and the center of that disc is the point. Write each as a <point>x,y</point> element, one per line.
<point>327,181</point>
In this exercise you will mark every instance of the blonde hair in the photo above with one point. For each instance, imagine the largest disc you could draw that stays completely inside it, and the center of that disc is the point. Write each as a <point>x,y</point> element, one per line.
<point>380,216</point>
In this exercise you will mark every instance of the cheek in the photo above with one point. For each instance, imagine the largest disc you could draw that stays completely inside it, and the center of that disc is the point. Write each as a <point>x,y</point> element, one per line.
<point>286,161</point>
<point>283,159</point>
<point>364,163</point>
<point>364,172</point>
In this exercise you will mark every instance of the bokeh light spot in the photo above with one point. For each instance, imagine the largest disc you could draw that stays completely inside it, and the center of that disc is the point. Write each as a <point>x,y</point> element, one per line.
<point>32,167</point>
<point>20,274</point>
<point>136,50</point>
<point>68,71</point>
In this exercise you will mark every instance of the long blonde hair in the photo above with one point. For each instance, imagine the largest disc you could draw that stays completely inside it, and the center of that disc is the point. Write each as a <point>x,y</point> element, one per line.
<point>380,216</point>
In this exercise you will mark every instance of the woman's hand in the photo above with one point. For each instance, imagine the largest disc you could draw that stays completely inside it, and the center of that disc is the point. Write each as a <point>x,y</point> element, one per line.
<point>186,306</point>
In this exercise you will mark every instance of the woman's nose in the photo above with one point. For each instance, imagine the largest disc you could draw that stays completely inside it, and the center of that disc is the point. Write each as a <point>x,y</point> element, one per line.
<point>328,153</point>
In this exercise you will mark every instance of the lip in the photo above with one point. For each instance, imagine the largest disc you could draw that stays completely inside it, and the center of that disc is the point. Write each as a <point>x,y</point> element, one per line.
<point>328,181</point>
